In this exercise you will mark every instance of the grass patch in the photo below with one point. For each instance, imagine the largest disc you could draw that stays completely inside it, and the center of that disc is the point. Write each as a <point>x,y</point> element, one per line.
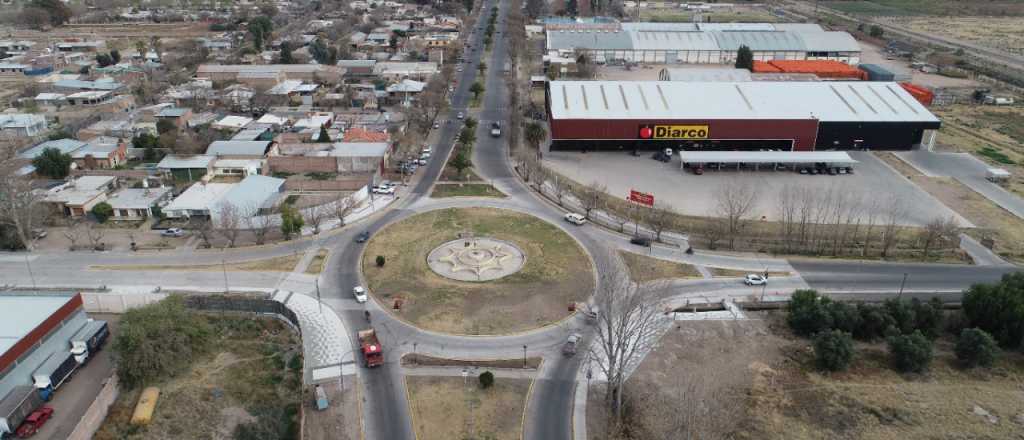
<point>720,272</point>
<point>278,264</point>
<point>244,381</point>
<point>556,272</point>
<point>417,359</point>
<point>643,268</point>
<point>996,155</point>
<point>317,265</point>
<point>465,190</point>
<point>441,408</point>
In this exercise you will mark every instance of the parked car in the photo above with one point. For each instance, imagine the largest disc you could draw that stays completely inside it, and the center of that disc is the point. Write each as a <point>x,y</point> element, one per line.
<point>698,170</point>
<point>571,344</point>
<point>458,68</point>
<point>172,232</point>
<point>575,219</point>
<point>425,155</point>
<point>359,293</point>
<point>380,189</point>
<point>422,161</point>
<point>362,237</point>
<point>437,125</point>
<point>755,280</point>
<point>640,241</point>
<point>34,421</point>
<point>661,156</point>
<point>39,233</point>
<point>426,149</point>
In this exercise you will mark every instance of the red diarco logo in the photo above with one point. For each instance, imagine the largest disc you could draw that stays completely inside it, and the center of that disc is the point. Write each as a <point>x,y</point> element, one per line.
<point>646,132</point>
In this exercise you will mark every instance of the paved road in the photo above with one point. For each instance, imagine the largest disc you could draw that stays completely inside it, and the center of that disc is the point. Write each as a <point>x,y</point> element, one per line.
<point>854,276</point>
<point>969,170</point>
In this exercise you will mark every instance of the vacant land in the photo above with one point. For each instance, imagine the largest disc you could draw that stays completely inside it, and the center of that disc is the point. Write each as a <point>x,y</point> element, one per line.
<point>445,408</point>
<point>253,377</point>
<point>928,7</point>
<point>277,264</point>
<point>643,268</point>
<point>735,15</point>
<point>759,383</point>
<point>556,272</point>
<point>1003,33</point>
<point>465,190</point>
<point>993,134</point>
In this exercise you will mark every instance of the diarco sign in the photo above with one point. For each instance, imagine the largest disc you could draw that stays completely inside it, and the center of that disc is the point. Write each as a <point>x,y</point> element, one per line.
<point>641,197</point>
<point>674,132</point>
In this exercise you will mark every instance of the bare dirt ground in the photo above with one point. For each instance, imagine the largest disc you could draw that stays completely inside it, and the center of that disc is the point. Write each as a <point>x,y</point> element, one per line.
<point>556,273</point>
<point>872,54</point>
<point>444,408</point>
<point>341,420</point>
<point>1002,33</point>
<point>277,264</point>
<point>643,268</point>
<point>759,382</point>
<point>112,31</point>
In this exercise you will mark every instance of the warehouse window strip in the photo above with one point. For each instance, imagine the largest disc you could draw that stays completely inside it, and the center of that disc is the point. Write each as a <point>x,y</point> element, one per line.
<point>625,102</point>
<point>897,95</point>
<point>744,97</point>
<point>604,97</point>
<point>643,97</point>
<point>583,91</point>
<point>841,98</point>
<point>855,92</point>
<point>884,101</point>
<point>661,94</point>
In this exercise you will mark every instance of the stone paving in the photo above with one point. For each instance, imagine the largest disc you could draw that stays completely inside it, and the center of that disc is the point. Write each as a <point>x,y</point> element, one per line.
<point>323,334</point>
<point>476,259</point>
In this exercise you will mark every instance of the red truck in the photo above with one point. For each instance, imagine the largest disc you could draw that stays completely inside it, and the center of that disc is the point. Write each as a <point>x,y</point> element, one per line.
<point>373,353</point>
<point>34,421</point>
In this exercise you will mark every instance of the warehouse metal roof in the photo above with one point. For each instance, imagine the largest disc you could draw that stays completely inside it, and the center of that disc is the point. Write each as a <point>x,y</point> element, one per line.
<point>20,314</point>
<point>704,74</point>
<point>832,157</point>
<point>647,40</point>
<point>833,101</point>
<point>830,42</point>
<point>759,41</point>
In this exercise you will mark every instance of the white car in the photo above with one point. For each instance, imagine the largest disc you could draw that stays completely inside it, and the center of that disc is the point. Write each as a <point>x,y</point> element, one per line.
<point>172,232</point>
<point>755,280</point>
<point>425,155</point>
<point>426,149</point>
<point>575,219</point>
<point>383,190</point>
<point>360,293</point>
<point>458,69</point>
<point>460,116</point>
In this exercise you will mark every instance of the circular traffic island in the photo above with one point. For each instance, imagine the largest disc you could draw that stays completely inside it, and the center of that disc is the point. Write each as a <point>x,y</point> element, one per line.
<point>479,271</point>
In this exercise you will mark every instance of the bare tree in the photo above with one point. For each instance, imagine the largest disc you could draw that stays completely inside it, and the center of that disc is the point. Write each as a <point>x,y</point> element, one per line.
<point>871,208</point>
<point>592,197</point>
<point>939,230</point>
<point>627,323</point>
<point>314,216</point>
<point>229,222</point>
<point>788,207</point>
<point>95,235</point>
<point>20,205</point>
<point>894,211</point>
<point>713,230</point>
<point>260,225</point>
<point>733,202</point>
<point>660,217</point>
<point>203,227</point>
<point>343,206</point>
<point>73,232</point>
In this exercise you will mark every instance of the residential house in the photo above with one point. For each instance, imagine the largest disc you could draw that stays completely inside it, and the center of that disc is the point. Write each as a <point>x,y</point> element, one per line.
<point>13,69</point>
<point>22,124</point>
<point>358,134</point>
<point>138,203</point>
<point>80,46</point>
<point>186,168</point>
<point>237,167</point>
<point>254,132</point>
<point>254,195</point>
<point>118,128</point>
<point>66,146</point>
<point>231,123</point>
<point>303,72</point>
<point>77,85</point>
<point>101,153</point>
<point>197,200</point>
<point>78,197</point>
<point>179,116</point>
<point>50,101</point>
<point>343,158</point>
<point>361,157</point>
<point>239,149</point>
<point>396,71</point>
<point>405,91</point>
<point>357,68</point>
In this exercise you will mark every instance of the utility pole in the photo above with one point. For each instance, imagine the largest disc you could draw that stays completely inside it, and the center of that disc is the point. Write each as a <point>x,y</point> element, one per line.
<point>30,274</point>
<point>903,283</point>
<point>224,268</point>
<point>524,356</point>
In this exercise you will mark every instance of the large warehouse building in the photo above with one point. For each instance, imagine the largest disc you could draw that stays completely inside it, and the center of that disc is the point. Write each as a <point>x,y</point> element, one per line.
<point>700,43</point>
<point>723,116</point>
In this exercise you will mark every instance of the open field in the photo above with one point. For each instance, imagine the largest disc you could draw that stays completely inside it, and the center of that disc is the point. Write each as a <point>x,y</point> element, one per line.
<point>249,378</point>
<point>278,264</point>
<point>643,268</point>
<point>993,134</point>
<point>928,7</point>
<point>556,272</point>
<point>732,15</point>
<point>1003,33</point>
<point>761,384</point>
<point>443,408</point>
<point>465,190</point>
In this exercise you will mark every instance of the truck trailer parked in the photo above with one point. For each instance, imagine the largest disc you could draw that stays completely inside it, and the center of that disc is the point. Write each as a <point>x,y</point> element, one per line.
<point>16,406</point>
<point>373,354</point>
<point>88,340</point>
<point>52,374</point>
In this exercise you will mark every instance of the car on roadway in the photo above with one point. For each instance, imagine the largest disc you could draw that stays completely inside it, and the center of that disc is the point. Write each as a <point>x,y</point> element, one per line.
<point>458,69</point>
<point>575,219</point>
<point>172,232</point>
<point>385,190</point>
<point>571,344</point>
<point>640,241</point>
<point>437,125</point>
<point>755,280</point>
<point>460,116</point>
<point>362,237</point>
<point>359,293</point>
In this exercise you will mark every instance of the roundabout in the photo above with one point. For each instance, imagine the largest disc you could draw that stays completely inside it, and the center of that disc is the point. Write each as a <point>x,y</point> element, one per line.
<point>478,271</point>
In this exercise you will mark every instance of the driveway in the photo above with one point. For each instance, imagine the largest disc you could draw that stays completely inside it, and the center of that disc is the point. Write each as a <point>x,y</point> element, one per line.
<point>968,170</point>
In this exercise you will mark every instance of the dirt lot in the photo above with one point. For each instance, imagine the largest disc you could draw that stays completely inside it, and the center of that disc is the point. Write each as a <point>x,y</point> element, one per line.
<point>250,378</point>
<point>441,407</point>
<point>928,7</point>
<point>341,420</point>
<point>760,384</point>
<point>1003,33</point>
<point>873,54</point>
<point>317,265</point>
<point>278,264</point>
<point>721,15</point>
<point>643,268</point>
<point>556,273</point>
<point>993,134</point>
<point>422,360</point>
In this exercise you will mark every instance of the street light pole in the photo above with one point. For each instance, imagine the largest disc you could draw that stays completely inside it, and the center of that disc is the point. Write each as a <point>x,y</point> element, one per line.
<point>30,274</point>
<point>524,356</point>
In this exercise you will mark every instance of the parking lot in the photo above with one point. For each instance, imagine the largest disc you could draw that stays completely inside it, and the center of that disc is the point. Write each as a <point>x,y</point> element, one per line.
<point>691,194</point>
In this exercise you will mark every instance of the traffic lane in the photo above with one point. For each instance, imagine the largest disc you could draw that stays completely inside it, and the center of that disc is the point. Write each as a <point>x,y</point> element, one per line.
<point>550,408</point>
<point>854,276</point>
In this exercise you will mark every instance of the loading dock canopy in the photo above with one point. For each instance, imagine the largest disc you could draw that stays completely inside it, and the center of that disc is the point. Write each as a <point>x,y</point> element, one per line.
<point>788,157</point>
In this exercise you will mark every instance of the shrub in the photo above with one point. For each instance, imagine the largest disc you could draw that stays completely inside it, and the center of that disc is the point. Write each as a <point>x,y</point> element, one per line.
<point>52,163</point>
<point>928,316</point>
<point>998,309</point>
<point>833,350</point>
<point>486,379</point>
<point>808,313</point>
<point>976,347</point>
<point>102,211</point>
<point>876,31</point>
<point>875,322</point>
<point>845,317</point>
<point>159,340</point>
<point>902,314</point>
<point>910,353</point>
<point>380,261</point>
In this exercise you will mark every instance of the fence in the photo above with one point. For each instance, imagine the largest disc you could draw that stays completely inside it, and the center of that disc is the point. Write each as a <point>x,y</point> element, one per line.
<point>131,174</point>
<point>243,304</point>
<point>97,412</point>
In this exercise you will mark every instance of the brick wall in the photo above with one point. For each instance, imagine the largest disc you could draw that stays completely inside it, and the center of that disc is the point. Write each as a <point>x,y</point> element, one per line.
<point>302,164</point>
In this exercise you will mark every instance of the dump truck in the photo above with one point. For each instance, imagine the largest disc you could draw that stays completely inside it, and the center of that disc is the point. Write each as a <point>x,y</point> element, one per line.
<point>16,406</point>
<point>373,354</point>
<point>88,340</point>
<point>52,374</point>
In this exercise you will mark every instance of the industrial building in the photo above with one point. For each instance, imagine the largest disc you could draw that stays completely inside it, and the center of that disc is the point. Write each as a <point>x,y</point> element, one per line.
<point>730,116</point>
<point>33,329</point>
<point>700,43</point>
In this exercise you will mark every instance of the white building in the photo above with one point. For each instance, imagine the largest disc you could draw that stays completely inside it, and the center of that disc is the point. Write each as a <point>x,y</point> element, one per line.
<point>22,124</point>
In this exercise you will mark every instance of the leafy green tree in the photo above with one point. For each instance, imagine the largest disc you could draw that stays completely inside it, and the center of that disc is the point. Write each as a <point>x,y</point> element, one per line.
<point>285,57</point>
<point>291,221</point>
<point>808,313</point>
<point>104,60</point>
<point>476,89</point>
<point>149,154</point>
<point>482,67</point>
<point>57,135</point>
<point>572,8</point>
<point>460,162</point>
<point>144,140</point>
<point>910,353</point>
<point>102,211</point>
<point>875,322</point>
<point>393,41</point>
<point>976,347</point>
<point>833,350</point>
<point>260,28</point>
<point>845,316</point>
<point>324,135</point>
<point>876,31</point>
<point>744,58</point>
<point>470,122</point>
<point>467,137</point>
<point>158,341</point>
<point>52,163</point>
<point>534,134</point>
<point>902,313</point>
<point>165,125</point>
<point>59,12</point>
<point>115,56</point>
<point>928,317</point>
<point>486,379</point>
<point>998,309</point>
<point>381,261</point>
